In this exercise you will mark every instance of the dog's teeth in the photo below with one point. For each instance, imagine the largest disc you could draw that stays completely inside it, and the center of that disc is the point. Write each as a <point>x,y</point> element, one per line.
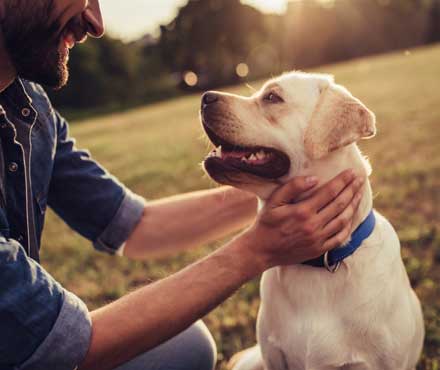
<point>253,157</point>
<point>261,155</point>
<point>243,159</point>
<point>219,151</point>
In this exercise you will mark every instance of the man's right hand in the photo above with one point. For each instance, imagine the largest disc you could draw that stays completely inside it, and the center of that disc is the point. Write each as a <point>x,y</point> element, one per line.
<point>285,233</point>
<point>289,232</point>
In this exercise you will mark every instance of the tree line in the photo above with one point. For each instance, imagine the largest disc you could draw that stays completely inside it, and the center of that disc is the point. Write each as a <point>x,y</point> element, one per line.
<point>216,42</point>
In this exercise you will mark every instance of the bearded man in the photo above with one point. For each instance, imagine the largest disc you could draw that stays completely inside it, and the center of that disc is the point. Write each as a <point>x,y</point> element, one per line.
<point>43,326</point>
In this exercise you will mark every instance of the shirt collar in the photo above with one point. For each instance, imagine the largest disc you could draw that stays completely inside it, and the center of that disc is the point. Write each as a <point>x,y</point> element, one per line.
<point>17,89</point>
<point>14,97</point>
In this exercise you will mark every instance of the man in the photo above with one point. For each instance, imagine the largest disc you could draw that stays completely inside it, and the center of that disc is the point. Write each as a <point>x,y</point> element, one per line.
<point>45,327</point>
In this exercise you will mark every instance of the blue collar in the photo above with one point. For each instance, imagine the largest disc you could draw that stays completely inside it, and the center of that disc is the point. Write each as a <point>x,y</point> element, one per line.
<point>336,256</point>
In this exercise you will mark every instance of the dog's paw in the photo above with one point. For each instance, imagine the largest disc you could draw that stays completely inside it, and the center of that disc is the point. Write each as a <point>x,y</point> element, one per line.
<point>235,360</point>
<point>249,359</point>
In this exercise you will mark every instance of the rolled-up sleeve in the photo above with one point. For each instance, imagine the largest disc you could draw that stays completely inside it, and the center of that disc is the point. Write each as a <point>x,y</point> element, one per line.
<point>122,224</point>
<point>88,198</point>
<point>43,326</point>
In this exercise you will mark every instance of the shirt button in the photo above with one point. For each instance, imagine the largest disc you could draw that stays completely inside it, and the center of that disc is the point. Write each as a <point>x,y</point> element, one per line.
<point>3,125</point>
<point>13,167</point>
<point>26,112</point>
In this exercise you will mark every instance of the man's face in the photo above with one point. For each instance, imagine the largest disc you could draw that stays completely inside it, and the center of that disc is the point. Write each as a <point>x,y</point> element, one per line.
<point>39,33</point>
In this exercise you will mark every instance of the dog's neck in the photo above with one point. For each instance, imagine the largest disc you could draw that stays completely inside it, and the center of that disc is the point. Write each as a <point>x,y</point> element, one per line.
<point>346,158</point>
<point>329,167</point>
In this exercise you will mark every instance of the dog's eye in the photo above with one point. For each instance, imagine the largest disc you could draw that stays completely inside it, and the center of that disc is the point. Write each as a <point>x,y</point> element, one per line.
<point>273,98</point>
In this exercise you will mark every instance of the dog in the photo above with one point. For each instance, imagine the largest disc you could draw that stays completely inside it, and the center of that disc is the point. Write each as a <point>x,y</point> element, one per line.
<point>357,314</point>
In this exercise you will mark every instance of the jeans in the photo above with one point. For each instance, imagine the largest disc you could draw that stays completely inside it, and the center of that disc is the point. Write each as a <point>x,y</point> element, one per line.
<point>194,349</point>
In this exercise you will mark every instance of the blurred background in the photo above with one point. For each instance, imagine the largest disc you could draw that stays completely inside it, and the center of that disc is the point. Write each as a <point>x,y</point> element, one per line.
<point>164,48</point>
<point>133,101</point>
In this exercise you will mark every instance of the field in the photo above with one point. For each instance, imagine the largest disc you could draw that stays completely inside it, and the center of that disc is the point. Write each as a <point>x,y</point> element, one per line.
<point>156,151</point>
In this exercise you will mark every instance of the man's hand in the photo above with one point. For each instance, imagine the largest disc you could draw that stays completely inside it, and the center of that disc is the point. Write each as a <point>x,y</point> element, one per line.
<point>290,232</point>
<point>284,233</point>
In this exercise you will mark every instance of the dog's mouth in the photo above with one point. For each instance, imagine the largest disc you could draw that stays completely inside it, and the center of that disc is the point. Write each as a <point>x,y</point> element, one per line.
<point>266,163</point>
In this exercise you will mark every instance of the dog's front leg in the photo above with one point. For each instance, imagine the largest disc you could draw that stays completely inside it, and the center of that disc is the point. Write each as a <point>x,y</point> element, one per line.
<point>249,359</point>
<point>277,361</point>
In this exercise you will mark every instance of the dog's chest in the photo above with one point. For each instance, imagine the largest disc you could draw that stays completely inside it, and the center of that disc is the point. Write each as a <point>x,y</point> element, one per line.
<point>294,338</point>
<point>311,319</point>
<point>292,347</point>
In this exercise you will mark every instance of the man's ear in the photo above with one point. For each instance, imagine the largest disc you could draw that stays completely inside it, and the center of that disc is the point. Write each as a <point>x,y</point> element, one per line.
<point>339,119</point>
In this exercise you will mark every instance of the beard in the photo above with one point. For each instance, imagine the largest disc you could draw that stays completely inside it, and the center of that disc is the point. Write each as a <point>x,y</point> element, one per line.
<point>35,47</point>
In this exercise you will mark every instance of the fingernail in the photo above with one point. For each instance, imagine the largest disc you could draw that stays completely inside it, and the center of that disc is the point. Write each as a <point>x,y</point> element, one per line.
<point>311,180</point>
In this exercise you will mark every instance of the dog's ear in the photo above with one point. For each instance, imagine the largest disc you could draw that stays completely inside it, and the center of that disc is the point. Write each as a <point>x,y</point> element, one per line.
<point>339,119</point>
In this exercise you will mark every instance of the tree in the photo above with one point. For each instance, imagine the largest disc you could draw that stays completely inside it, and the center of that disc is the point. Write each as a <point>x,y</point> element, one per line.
<point>210,38</point>
<point>100,72</point>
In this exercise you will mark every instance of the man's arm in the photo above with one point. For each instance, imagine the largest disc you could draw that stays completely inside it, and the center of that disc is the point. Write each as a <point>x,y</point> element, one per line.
<point>88,198</point>
<point>42,326</point>
<point>174,224</point>
<point>283,234</point>
<point>101,209</point>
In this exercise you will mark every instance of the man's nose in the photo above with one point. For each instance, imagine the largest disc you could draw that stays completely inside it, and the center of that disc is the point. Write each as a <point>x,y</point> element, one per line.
<point>93,18</point>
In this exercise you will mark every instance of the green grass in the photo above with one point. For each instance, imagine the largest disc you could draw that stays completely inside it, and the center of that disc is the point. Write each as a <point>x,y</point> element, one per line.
<point>156,151</point>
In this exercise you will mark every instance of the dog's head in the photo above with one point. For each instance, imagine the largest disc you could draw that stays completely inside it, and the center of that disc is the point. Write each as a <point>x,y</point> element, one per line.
<point>264,140</point>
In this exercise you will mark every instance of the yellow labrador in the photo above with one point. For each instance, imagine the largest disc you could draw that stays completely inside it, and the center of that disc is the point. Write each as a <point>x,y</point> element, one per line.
<point>364,315</point>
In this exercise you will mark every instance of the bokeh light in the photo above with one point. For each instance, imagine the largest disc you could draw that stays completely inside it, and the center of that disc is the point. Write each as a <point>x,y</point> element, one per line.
<point>190,78</point>
<point>242,70</point>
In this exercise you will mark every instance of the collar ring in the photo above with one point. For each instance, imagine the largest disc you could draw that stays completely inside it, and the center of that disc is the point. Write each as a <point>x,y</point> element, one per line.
<point>332,268</point>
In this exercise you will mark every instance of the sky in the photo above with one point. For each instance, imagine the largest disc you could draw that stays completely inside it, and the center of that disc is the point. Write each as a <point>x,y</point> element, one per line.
<point>130,19</point>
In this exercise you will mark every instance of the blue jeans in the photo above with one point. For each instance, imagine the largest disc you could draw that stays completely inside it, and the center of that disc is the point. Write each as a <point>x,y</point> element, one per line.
<point>194,349</point>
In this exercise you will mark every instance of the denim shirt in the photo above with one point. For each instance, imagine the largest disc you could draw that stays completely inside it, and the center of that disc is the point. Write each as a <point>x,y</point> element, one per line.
<point>42,325</point>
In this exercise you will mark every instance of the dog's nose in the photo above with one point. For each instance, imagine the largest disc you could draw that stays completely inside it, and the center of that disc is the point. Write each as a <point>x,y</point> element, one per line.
<point>209,98</point>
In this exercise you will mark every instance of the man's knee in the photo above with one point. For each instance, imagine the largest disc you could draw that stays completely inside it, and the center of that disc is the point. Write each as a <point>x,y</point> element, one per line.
<point>194,349</point>
<point>203,346</point>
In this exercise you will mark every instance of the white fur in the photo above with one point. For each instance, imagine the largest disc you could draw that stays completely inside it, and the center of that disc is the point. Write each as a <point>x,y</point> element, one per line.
<point>365,316</point>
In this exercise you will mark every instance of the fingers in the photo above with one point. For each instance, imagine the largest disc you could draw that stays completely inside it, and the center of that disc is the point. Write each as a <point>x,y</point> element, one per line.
<point>292,190</point>
<point>343,220</point>
<point>346,203</point>
<point>338,239</point>
<point>331,190</point>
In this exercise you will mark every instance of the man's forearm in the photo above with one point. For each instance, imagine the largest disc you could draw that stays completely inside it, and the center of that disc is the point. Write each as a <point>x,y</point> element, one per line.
<point>152,315</point>
<point>281,235</point>
<point>177,223</point>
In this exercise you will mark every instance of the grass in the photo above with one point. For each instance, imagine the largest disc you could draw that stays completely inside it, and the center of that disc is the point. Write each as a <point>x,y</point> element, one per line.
<point>156,150</point>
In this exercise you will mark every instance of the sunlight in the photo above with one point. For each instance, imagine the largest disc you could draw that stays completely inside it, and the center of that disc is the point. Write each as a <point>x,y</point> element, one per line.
<point>272,6</point>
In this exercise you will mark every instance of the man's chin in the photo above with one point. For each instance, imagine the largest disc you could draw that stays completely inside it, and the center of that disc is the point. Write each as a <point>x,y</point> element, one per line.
<point>54,82</point>
<point>55,77</point>
<point>59,82</point>
<point>49,69</point>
